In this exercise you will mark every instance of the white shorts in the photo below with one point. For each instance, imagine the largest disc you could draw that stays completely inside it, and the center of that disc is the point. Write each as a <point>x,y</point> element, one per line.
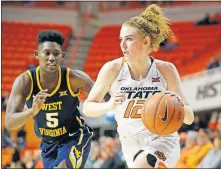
<point>166,149</point>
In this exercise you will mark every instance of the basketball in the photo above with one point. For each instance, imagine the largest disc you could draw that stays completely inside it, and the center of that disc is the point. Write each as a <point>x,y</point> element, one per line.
<point>162,114</point>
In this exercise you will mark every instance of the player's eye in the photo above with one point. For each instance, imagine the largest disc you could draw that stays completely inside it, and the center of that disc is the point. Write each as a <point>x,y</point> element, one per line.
<point>47,53</point>
<point>56,53</point>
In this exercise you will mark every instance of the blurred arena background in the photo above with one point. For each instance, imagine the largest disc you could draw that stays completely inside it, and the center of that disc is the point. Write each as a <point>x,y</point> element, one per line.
<point>92,38</point>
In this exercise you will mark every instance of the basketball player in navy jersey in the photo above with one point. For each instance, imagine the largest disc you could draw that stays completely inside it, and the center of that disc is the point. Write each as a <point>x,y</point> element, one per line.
<point>51,92</point>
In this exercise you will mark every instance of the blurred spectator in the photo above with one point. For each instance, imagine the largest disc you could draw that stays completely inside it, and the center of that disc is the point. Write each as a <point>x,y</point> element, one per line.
<point>21,138</point>
<point>206,20</point>
<point>28,160</point>
<point>213,158</point>
<point>93,155</point>
<point>106,155</point>
<point>190,143</point>
<point>16,159</point>
<point>199,122</point>
<point>38,163</point>
<point>199,152</point>
<point>196,125</point>
<point>213,63</point>
<point>102,157</point>
<point>4,100</point>
<point>213,121</point>
<point>114,160</point>
<point>217,17</point>
<point>169,44</point>
<point>6,139</point>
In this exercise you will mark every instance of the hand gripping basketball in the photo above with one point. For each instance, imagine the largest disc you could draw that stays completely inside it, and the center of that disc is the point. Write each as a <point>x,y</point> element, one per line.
<point>163,113</point>
<point>172,94</point>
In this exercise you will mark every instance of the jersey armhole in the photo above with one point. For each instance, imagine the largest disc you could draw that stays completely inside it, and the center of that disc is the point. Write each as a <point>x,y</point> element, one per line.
<point>69,85</point>
<point>29,73</point>
<point>163,76</point>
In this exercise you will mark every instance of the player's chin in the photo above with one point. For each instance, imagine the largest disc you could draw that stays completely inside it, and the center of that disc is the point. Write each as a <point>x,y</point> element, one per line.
<point>50,68</point>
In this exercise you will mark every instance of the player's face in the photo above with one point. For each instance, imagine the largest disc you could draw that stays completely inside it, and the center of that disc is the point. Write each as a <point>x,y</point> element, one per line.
<point>131,41</point>
<point>50,56</point>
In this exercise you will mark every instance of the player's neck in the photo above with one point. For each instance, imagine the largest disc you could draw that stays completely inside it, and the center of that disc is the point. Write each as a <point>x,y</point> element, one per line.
<point>48,77</point>
<point>139,68</point>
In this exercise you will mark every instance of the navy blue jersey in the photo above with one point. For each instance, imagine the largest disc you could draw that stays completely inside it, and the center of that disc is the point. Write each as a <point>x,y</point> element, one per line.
<point>60,114</point>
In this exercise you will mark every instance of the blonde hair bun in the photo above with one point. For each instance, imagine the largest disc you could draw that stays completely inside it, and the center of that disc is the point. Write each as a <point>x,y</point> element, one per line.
<point>153,23</point>
<point>155,9</point>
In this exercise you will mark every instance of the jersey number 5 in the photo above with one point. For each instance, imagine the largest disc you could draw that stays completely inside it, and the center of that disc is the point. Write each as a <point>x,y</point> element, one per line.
<point>52,119</point>
<point>132,109</point>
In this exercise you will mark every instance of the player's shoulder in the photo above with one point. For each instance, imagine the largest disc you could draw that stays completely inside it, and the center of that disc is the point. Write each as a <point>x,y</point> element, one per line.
<point>23,81</point>
<point>164,65</point>
<point>114,66</point>
<point>167,69</point>
<point>25,77</point>
<point>77,74</point>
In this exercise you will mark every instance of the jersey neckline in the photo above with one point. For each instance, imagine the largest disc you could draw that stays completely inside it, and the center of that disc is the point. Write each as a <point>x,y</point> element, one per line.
<point>39,84</point>
<point>148,73</point>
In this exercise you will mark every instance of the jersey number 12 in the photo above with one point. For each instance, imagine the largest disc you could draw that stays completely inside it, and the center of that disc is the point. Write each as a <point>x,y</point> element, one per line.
<point>132,109</point>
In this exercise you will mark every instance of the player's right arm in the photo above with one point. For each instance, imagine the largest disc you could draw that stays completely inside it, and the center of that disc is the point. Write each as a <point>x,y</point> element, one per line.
<point>93,105</point>
<point>16,117</point>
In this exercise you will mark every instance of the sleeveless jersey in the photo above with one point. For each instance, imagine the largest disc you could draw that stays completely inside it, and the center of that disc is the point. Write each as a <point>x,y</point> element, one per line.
<point>128,114</point>
<point>60,114</point>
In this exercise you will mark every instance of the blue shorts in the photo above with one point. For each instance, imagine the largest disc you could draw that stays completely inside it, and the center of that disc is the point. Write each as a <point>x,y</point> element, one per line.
<point>74,150</point>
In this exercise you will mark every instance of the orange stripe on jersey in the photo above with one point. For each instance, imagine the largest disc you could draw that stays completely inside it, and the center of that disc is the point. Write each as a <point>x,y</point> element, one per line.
<point>161,165</point>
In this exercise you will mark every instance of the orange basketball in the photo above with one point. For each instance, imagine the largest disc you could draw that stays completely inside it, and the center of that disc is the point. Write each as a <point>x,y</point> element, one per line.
<point>162,114</point>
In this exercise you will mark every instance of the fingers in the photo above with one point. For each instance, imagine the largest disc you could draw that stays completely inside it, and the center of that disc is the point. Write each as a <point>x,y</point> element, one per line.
<point>171,93</point>
<point>177,96</point>
<point>180,100</point>
<point>41,96</point>
<point>119,97</point>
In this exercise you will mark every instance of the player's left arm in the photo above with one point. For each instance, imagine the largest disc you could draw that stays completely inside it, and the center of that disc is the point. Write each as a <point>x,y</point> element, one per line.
<point>82,81</point>
<point>174,85</point>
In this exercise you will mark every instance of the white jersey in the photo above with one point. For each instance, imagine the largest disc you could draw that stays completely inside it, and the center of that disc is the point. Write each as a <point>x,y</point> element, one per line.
<point>128,114</point>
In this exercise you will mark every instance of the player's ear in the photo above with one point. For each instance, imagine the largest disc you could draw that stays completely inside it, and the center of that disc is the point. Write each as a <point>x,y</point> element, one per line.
<point>146,41</point>
<point>62,55</point>
<point>36,54</point>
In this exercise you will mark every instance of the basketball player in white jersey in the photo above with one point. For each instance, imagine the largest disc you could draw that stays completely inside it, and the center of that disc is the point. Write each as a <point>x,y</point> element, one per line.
<point>133,79</point>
